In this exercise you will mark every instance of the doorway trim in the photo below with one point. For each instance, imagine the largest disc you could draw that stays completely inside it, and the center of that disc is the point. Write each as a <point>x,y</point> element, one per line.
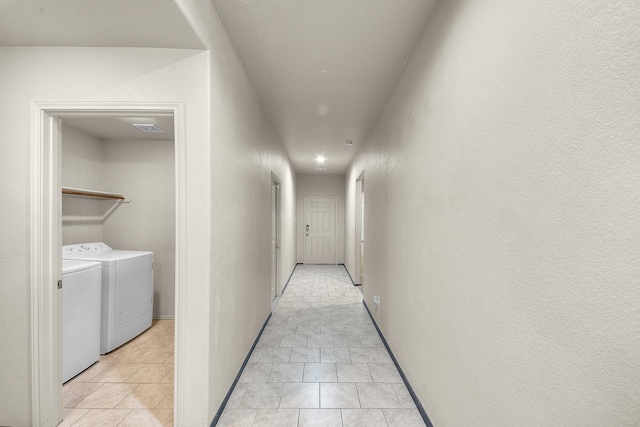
<point>45,236</point>
<point>359,226</point>
<point>276,183</point>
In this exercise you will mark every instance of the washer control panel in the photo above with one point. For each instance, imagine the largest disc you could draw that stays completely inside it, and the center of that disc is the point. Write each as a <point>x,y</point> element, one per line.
<point>85,249</point>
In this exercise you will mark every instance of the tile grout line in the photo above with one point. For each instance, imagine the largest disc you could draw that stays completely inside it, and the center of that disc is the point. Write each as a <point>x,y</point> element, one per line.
<point>124,418</point>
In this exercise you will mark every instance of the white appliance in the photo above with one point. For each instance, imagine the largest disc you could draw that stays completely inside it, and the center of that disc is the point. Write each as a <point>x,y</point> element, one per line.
<point>81,295</point>
<point>127,290</point>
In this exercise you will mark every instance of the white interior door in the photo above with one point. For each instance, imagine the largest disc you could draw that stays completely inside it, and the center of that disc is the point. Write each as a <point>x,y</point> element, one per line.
<point>320,229</point>
<point>274,239</point>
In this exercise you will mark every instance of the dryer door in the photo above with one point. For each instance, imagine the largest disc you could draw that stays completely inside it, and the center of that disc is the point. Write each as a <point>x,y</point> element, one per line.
<point>134,288</point>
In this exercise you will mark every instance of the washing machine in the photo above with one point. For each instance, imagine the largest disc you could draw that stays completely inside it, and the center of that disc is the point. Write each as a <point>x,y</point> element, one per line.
<point>127,290</point>
<point>81,298</point>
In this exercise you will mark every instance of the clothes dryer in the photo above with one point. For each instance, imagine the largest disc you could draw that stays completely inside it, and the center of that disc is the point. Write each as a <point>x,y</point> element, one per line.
<point>81,295</point>
<point>127,290</point>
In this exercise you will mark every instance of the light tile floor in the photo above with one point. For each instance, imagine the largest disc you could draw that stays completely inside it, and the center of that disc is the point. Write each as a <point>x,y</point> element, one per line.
<point>320,362</point>
<point>131,386</point>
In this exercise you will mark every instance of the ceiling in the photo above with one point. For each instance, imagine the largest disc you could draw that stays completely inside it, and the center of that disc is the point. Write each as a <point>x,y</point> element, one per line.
<point>98,23</point>
<point>323,69</point>
<point>121,127</point>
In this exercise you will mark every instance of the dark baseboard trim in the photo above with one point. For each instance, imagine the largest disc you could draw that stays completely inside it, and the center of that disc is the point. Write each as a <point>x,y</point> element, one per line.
<point>419,406</point>
<point>292,271</point>
<point>345,269</point>
<point>216,418</point>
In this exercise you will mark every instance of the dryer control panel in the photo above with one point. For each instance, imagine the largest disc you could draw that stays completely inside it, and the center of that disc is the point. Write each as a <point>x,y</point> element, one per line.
<point>85,249</point>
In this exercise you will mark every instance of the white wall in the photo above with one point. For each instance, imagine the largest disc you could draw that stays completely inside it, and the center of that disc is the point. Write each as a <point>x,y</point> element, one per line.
<point>230,153</point>
<point>142,169</point>
<point>244,153</point>
<point>320,185</point>
<point>502,222</point>
<point>112,74</point>
<point>145,171</point>
<point>229,143</point>
<point>81,168</point>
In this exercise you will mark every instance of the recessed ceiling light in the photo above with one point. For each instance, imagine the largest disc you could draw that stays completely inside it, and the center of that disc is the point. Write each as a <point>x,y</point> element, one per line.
<point>320,159</point>
<point>323,109</point>
<point>348,143</point>
<point>320,169</point>
<point>148,127</point>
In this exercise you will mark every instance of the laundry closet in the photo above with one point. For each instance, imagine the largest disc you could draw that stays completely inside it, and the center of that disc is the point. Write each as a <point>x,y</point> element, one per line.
<point>109,154</point>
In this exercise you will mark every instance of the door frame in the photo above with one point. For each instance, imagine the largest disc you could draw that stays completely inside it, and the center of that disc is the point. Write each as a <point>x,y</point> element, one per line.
<point>304,221</point>
<point>45,238</point>
<point>359,226</point>
<point>275,181</point>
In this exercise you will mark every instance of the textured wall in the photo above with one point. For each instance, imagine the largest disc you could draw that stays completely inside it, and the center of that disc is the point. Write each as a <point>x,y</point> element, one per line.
<point>138,168</point>
<point>245,151</point>
<point>145,171</point>
<point>319,185</point>
<point>231,151</point>
<point>81,168</point>
<point>502,181</point>
<point>96,74</point>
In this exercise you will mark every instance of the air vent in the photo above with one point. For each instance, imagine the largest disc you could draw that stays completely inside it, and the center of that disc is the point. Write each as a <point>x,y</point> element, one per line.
<point>320,169</point>
<point>148,128</point>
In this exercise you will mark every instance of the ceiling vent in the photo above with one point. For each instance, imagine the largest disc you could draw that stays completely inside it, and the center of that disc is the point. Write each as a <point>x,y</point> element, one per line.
<point>148,128</point>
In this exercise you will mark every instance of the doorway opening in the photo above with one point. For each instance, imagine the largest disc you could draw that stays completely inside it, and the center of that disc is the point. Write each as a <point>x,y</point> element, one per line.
<point>320,230</point>
<point>359,237</point>
<point>54,223</point>
<point>275,239</point>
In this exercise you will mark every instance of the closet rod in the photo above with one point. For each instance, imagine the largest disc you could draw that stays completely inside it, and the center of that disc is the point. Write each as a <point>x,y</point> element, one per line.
<point>92,193</point>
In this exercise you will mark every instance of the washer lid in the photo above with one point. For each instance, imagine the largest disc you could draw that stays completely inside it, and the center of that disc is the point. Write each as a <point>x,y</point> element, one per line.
<point>70,265</point>
<point>109,258</point>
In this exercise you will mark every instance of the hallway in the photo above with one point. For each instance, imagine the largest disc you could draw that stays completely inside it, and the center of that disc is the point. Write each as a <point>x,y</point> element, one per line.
<point>499,145</point>
<point>320,362</point>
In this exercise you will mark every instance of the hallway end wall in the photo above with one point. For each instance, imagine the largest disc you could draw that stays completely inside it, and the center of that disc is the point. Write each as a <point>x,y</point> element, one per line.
<point>319,185</point>
<point>502,214</point>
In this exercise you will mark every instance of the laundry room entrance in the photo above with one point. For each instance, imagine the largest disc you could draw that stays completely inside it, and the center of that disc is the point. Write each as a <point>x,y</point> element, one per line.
<point>112,196</point>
